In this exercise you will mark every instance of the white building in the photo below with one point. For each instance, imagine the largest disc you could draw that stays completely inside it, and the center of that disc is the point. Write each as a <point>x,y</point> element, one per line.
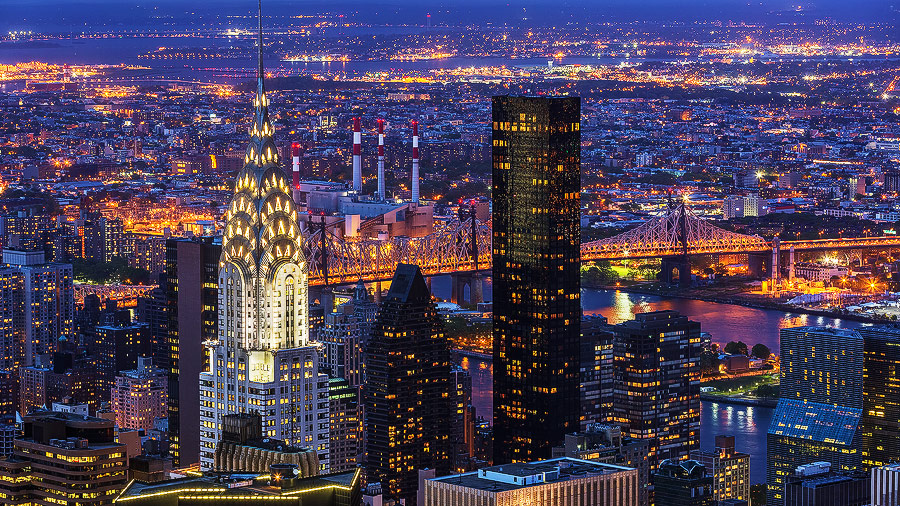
<point>263,359</point>
<point>740,206</point>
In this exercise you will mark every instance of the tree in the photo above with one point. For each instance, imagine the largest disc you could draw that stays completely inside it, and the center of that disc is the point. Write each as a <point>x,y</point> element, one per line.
<point>736,348</point>
<point>709,363</point>
<point>761,351</point>
<point>600,274</point>
<point>758,494</point>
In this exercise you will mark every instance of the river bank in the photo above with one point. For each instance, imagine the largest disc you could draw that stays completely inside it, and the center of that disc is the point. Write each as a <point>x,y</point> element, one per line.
<point>743,301</point>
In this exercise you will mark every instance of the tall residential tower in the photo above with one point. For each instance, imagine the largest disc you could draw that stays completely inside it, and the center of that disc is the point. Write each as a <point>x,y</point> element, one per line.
<point>536,249</point>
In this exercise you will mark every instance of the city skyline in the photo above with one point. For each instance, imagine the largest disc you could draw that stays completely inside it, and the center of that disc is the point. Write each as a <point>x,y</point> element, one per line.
<point>409,253</point>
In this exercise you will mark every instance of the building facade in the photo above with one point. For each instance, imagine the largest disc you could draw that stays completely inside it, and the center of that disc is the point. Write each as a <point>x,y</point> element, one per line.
<point>682,483</point>
<point>597,373</point>
<point>657,382</point>
<point>536,273</point>
<point>880,421</point>
<point>885,485</point>
<point>68,459</point>
<point>408,393</point>
<point>818,414</point>
<point>191,298</point>
<point>140,396</point>
<point>556,482</point>
<point>49,302</point>
<point>730,469</point>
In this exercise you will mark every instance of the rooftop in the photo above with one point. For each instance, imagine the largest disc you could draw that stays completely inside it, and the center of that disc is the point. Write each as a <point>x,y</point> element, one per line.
<point>522,475</point>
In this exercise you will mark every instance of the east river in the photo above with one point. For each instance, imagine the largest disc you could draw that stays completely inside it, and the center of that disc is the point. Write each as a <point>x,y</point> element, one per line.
<point>725,322</point>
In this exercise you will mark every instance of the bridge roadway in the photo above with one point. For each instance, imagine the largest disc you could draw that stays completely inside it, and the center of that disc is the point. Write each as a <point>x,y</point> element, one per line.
<point>369,261</point>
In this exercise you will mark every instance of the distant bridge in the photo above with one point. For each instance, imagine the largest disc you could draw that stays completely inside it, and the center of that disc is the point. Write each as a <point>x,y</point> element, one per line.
<point>452,247</point>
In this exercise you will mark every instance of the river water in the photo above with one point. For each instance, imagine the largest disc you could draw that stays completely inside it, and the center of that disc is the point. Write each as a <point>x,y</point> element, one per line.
<point>726,322</point>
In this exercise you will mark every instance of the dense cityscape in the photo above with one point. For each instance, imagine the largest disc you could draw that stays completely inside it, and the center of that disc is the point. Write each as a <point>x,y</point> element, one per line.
<point>415,255</point>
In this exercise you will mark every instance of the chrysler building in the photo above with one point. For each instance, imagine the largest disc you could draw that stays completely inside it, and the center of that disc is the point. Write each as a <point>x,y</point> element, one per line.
<point>263,359</point>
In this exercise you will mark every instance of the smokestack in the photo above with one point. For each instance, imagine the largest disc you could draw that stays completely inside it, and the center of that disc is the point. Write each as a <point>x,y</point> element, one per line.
<point>295,155</point>
<point>382,194</point>
<point>357,157</point>
<point>415,163</point>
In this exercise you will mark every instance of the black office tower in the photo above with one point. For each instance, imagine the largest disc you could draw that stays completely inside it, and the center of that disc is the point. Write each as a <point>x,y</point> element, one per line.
<point>408,393</point>
<point>536,269</point>
<point>192,268</point>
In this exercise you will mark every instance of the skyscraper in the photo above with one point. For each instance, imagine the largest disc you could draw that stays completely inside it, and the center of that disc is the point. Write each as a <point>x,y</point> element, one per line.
<point>49,300</point>
<point>657,382</point>
<point>818,414</point>
<point>881,396</point>
<point>192,268</point>
<point>408,390</point>
<point>263,359</point>
<point>597,373</point>
<point>536,268</point>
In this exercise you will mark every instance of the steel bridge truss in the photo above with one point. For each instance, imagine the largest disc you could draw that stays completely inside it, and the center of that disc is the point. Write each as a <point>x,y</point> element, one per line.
<point>678,232</point>
<point>450,248</point>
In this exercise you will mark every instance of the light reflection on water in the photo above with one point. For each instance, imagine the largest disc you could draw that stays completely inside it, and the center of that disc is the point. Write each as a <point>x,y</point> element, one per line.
<point>725,322</point>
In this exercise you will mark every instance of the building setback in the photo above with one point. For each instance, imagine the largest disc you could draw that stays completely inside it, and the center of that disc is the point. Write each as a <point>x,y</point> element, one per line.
<point>536,274</point>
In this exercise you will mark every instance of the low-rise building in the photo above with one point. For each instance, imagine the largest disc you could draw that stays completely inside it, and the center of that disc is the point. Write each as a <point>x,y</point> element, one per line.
<point>547,482</point>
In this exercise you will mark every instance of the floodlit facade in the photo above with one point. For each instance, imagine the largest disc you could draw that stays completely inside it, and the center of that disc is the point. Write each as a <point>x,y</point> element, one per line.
<point>263,359</point>
<point>139,396</point>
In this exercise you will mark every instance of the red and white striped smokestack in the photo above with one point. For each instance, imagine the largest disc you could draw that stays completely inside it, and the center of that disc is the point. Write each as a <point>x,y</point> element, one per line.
<point>381,191</point>
<point>357,157</point>
<point>295,160</point>
<point>415,163</point>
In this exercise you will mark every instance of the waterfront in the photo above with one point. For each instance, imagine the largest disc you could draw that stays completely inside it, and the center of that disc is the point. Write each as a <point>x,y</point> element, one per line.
<point>726,322</point>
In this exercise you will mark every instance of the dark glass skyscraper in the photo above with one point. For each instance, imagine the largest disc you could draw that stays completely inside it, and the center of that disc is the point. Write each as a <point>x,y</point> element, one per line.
<point>881,396</point>
<point>536,268</point>
<point>409,396</point>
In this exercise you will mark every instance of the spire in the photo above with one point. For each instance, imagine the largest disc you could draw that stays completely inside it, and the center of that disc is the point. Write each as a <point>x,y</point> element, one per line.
<point>262,151</point>
<point>260,73</point>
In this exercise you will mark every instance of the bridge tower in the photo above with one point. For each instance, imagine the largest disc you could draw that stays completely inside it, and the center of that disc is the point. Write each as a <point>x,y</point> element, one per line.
<point>678,269</point>
<point>473,279</point>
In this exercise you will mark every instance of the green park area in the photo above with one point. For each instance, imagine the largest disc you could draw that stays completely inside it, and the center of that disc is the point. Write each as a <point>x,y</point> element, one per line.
<point>762,386</point>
